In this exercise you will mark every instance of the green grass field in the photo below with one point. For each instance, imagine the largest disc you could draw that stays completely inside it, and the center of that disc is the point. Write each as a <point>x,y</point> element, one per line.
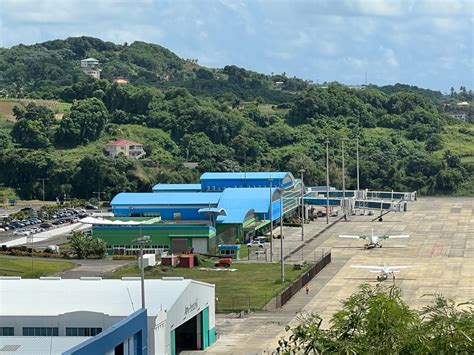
<point>10,266</point>
<point>250,287</point>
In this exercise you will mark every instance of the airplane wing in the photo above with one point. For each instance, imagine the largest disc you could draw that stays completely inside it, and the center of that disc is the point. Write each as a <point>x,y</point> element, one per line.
<point>371,267</point>
<point>353,236</point>
<point>395,268</point>
<point>384,237</point>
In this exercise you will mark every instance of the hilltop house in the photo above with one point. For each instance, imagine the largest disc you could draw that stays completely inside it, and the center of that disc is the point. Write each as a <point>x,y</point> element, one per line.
<point>129,149</point>
<point>90,66</point>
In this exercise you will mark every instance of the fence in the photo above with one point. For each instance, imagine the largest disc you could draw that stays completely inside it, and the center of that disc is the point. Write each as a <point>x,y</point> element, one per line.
<point>299,283</point>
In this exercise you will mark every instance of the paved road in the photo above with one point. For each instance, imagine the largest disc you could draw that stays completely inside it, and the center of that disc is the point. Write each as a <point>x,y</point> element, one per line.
<point>93,268</point>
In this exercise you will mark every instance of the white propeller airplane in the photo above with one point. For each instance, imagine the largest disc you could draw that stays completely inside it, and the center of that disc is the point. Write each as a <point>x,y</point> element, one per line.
<point>383,270</point>
<point>373,241</point>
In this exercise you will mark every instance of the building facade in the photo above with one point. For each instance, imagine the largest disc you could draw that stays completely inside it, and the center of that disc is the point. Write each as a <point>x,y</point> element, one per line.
<point>129,149</point>
<point>180,313</point>
<point>90,66</point>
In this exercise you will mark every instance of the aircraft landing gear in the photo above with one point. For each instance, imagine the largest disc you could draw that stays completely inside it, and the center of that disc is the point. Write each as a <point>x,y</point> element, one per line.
<point>381,278</point>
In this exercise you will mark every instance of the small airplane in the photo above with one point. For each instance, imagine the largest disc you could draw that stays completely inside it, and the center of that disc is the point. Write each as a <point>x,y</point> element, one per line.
<point>373,241</point>
<point>383,270</point>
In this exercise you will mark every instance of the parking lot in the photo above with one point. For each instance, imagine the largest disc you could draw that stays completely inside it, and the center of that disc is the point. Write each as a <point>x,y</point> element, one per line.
<point>14,229</point>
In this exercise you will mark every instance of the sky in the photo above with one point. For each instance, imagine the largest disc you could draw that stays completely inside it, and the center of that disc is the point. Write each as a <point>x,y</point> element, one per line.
<point>428,43</point>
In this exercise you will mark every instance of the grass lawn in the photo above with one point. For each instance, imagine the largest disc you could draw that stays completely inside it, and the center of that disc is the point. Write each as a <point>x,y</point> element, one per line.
<point>10,266</point>
<point>251,286</point>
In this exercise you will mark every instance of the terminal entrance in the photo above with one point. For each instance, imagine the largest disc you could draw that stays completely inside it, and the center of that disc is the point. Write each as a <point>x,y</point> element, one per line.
<point>188,336</point>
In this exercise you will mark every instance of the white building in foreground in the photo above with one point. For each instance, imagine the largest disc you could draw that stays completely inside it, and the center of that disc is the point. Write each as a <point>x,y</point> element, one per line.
<point>181,312</point>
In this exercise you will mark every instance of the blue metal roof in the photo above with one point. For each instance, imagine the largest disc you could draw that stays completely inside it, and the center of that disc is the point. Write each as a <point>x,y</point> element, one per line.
<point>249,175</point>
<point>166,198</point>
<point>238,202</point>
<point>228,246</point>
<point>177,187</point>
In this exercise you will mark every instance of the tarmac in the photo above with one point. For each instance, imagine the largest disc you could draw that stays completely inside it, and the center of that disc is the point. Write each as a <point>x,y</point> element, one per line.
<point>440,250</point>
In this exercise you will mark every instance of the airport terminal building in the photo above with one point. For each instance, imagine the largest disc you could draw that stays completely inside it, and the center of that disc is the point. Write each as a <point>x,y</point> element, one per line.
<point>224,208</point>
<point>92,316</point>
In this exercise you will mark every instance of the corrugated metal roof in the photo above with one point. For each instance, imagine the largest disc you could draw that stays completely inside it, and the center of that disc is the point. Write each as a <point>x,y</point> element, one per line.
<point>249,175</point>
<point>166,198</point>
<point>40,345</point>
<point>33,297</point>
<point>238,202</point>
<point>177,187</point>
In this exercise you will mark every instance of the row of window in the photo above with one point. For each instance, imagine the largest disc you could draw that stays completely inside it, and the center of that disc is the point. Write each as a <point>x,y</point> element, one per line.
<point>82,332</point>
<point>40,331</point>
<point>164,246</point>
<point>6,331</point>
<point>50,331</point>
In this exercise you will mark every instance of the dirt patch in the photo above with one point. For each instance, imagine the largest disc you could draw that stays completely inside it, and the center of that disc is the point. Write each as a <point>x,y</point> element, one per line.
<point>6,107</point>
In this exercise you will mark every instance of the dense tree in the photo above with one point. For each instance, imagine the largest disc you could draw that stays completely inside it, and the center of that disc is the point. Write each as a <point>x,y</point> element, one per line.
<point>31,134</point>
<point>83,246</point>
<point>376,320</point>
<point>82,124</point>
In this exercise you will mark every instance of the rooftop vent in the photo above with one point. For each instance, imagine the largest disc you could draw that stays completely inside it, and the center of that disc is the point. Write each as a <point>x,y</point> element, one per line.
<point>50,278</point>
<point>10,277</point>
<point>130,278</point>
<point>91,278</point>
<point>177,278</point>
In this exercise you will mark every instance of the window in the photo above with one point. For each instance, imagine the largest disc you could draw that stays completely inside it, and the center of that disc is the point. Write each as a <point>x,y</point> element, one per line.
<point>6,331</point>
<point>40,331</point>
<point>177,215</point>
<point>82,332</point>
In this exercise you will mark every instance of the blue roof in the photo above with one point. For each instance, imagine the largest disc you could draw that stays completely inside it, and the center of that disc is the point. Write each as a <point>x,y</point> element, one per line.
<point>177,187</point>
<point>238,202</point>
<point>166,198</point>
<point>228,246</point>
<point>249,175</point>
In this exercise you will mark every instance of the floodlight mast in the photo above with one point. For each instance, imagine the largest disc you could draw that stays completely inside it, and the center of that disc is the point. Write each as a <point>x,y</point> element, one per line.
<point>142,241</point>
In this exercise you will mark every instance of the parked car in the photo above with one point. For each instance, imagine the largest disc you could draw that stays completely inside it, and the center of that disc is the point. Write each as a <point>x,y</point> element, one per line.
<point>256,243</point>
<point>46,225</point>
<point>91,207</point>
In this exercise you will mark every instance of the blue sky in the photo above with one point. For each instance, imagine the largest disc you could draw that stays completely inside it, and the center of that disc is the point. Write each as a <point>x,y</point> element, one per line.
<point>429,43</point>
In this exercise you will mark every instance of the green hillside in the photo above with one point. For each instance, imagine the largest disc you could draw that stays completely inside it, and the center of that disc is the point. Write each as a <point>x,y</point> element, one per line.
<point>224,119</point>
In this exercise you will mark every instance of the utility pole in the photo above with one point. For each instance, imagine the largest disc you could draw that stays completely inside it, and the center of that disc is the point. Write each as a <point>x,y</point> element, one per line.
<point>282,254</point>
<point>343,182</point>
<point>358,186</point>
<point>98,195</point>
<point>43,180</point>
<point>327,182</point>
<point>271,220</point>
<point>302,204</point>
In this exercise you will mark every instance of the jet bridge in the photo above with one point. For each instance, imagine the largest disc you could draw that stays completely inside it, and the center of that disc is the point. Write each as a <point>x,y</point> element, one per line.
<point>370,195</point>
<point>315,198</point>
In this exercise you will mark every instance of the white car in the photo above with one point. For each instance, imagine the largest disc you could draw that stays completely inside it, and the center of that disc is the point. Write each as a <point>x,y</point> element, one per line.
<point>256,243</point>
<point>2,229</point>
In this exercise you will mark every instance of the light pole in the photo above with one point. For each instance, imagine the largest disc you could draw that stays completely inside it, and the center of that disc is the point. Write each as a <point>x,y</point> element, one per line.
<point>302,204</point>
<point>282,267</point>
<point>43,179</point>
<point>271,220</point>
<point>343,182</point>
<point>31,236</point>
<point>327,182</point>
<point>98,195</point>
<point>282,254</point>
<point>142,241</point>
<point>357,150</point>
